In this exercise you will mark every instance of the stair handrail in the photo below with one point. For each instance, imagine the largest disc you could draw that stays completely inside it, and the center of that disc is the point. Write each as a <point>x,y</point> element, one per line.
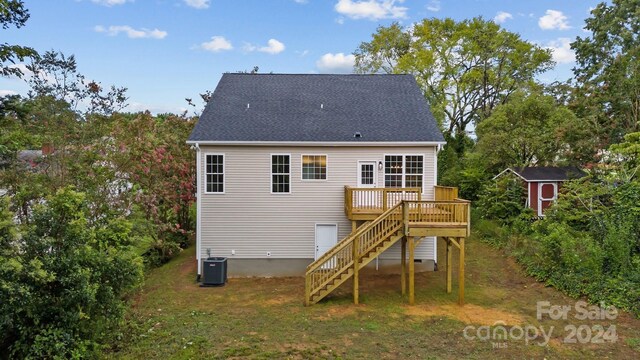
<point>348,239</point>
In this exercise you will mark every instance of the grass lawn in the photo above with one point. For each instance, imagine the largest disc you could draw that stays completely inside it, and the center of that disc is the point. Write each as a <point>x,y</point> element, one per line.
<point>264,318</point>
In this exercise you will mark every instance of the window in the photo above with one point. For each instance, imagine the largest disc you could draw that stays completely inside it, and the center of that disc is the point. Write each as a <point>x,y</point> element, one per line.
<point>214,173</point>
<point>393,171</point>
<point>314,167</point>
<point>413,171</point>
<point>403,171</point>
<point>280,174</point>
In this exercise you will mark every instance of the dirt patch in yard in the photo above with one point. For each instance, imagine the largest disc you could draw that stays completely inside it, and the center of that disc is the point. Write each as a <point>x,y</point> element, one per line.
<point>469,314</point>
<point>337,313</point>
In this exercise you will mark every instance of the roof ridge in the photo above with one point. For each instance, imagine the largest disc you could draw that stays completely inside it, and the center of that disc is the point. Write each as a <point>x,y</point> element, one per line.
<point>308,74</point>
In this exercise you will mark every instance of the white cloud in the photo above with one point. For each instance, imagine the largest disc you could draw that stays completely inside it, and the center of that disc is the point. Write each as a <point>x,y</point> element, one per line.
<point>554,20</point>
<point>371,9</point>
<point>502,16</point>
<point>433,5</point>
<point>23,68</point>
<point>7,92</point>
<point>132,33</point>
<point>336,63</point>
<point>273,47</point>
<point>197,4</point>
<point>109,2</point>
<point>302,53</point>
<point>301,1</point>
<point>28,74</point>
<point>217,44</point>
<point>561,51</point>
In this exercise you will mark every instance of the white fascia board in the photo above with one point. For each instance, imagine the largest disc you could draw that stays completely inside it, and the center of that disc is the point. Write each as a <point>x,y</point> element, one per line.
<point>511,171</point>
<point>318,143</point>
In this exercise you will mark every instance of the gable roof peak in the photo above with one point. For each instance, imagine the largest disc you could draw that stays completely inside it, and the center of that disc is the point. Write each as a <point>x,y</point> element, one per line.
<point>316,108</point>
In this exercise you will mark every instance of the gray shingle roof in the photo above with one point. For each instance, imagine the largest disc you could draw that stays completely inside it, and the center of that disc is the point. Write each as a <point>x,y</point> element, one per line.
<point>317,108</point>
<point>560,173</point>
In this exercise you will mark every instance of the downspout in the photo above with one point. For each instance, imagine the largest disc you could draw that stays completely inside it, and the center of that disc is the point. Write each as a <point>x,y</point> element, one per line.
<point>198,208</point>
<point>435,182</point>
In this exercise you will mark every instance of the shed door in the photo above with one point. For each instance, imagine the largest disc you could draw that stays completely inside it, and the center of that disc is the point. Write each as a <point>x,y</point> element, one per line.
<point>547,194</point>
<point>326,238</point>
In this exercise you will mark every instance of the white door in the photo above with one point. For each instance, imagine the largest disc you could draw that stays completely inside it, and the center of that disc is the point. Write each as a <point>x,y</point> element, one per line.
<point>367,174</point>
<point>326,238</point>
<point>367,178</point>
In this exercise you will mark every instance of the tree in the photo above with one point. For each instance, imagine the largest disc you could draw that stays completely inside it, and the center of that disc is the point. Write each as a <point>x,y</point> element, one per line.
<point>57,76</point>
<point>62,286</point>
<point>608,69</point>
<point>465,69</point>
<point>151,155</point>
<point>626,157</point>
<point>13,12</point>
<point>527,130</point>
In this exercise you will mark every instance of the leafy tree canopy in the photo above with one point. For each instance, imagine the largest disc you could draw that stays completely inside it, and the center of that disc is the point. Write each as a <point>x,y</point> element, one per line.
<point>13,13</point>
<point>608,69</point>
<point>527,130</point>
<point>465,68</point>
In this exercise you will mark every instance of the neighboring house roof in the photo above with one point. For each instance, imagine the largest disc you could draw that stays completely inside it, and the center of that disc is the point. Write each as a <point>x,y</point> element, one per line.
<point>26,158</point>
<point>546,173</point>
<point>316,108</point>
<point>29,155</point>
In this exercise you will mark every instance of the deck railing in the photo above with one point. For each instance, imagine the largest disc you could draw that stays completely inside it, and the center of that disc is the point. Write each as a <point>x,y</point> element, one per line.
<point>376,200</point>
<point>335,262</point>
<point>445,193</point>
<point>364,244</point>
<point>443,212</point>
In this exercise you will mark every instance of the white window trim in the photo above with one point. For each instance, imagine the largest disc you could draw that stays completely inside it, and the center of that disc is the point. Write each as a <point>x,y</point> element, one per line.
<point>541,199</point>
<point>384,170</point>
<point>271,174</point>
<point>224,174</point>
<point>326,167</point>
<point>404,168</point>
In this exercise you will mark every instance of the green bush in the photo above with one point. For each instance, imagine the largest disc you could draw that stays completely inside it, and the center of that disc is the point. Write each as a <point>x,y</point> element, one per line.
<point>63,283</point>
<point>502,199</point>
<point>587,245</point>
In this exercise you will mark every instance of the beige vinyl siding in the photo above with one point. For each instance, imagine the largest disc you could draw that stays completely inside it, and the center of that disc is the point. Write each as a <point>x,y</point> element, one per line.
<point>252,221</point>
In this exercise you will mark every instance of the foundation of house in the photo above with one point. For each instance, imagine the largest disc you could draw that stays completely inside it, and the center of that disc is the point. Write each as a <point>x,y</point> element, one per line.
<point>297,267</point>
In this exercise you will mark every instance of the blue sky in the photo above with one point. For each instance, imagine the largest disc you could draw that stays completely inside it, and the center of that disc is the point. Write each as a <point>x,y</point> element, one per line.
<point>166,50</point>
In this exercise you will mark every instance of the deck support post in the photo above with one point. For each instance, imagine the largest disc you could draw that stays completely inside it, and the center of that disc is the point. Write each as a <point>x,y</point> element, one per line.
<point>449,267</point>
<point>461,273</point>
<point>403,265</point>
<point>354,225</point>
<point>412,270</point>
<point>307,291</point>
<point>356,270</point>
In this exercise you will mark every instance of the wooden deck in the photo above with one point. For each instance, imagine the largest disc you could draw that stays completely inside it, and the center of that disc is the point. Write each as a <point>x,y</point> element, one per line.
<point>447,215</point>
<point>388,216</point>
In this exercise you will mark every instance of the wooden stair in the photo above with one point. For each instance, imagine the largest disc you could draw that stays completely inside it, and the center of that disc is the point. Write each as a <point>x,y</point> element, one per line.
<point>360,247</point>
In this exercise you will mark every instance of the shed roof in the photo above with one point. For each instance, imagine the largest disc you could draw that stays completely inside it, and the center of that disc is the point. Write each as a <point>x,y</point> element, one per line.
<point>545,173</point>
<point>316,108</point>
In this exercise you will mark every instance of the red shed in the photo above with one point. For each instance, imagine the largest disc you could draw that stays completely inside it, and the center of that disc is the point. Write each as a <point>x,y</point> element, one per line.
<point>543,183</point>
